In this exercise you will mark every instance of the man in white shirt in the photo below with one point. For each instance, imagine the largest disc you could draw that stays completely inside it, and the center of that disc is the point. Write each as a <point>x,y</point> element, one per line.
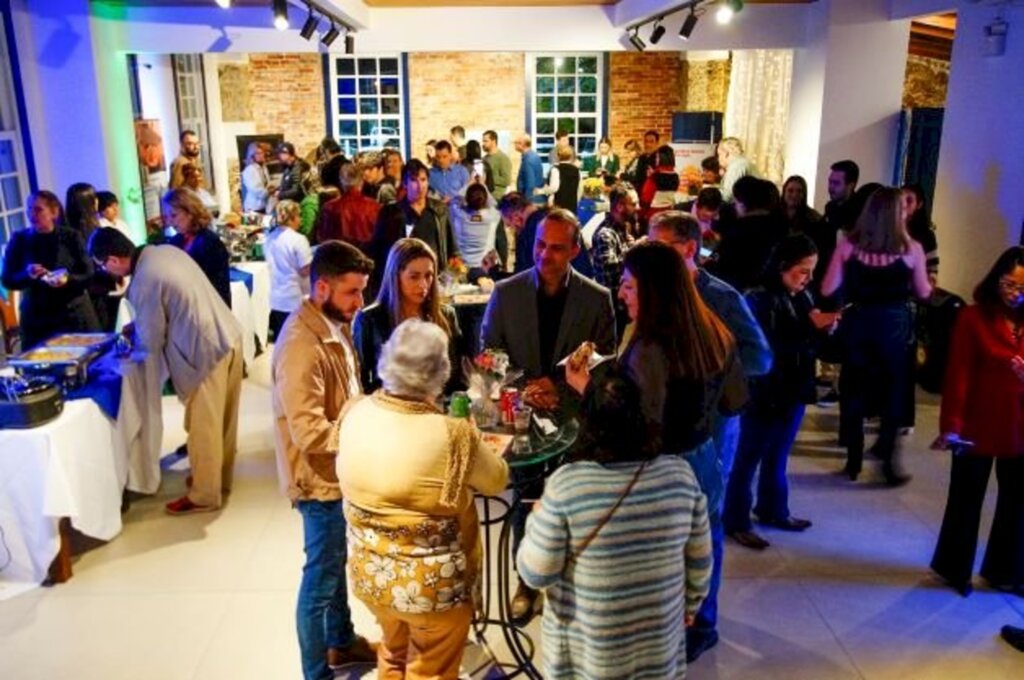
<point>315,372</point>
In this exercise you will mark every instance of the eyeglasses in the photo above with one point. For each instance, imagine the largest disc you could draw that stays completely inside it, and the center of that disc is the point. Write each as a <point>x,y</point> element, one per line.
<point>1011,287</point>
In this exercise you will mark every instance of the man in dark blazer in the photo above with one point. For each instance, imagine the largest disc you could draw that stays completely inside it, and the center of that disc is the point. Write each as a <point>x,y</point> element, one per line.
<point>538,317</point>
<point>541,315</point>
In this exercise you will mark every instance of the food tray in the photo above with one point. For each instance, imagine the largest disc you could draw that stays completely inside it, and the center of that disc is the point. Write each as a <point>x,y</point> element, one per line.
<point>94,342</point>
<point>46,355</point>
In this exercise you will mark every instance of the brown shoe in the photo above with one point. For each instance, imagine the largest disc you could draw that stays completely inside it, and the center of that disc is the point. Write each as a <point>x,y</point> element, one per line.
<point>523,605</point>
<point>360,651</point>
<point>748,539</point>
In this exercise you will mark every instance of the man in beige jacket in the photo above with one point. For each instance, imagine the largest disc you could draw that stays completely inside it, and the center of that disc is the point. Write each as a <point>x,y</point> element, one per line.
<point>181,319</point>
<point>315,373</point>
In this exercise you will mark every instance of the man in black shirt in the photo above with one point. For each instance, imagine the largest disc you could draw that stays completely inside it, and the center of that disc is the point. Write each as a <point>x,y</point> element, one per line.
<point>524,216</point>
<point>747,242</point>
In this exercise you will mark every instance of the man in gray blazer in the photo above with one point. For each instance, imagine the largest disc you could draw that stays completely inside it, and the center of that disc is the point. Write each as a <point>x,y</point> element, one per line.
<point>181,319</point>
<point>543,314</point>
<point>538,317</point>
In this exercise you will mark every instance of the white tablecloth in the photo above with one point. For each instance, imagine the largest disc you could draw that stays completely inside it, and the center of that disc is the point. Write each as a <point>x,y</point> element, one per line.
<point>241,307</point>
<point>77,467</point>
<point>260,297</point>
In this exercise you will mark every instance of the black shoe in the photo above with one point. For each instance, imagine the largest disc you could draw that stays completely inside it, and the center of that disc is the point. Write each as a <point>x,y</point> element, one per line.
<point>524,605</point>
<point>852,470</point>
<point>1014,637</point>
<point>789,524</point>
<point>964,588</point>
<point>698,642</point>
<point>748,539</point>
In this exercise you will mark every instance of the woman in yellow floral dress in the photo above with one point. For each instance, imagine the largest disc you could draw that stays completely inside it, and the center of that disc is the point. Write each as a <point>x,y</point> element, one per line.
<point>408,473</point>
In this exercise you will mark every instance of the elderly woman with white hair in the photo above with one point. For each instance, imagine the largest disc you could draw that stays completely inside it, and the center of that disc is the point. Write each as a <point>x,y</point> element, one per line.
<point>408,473</point>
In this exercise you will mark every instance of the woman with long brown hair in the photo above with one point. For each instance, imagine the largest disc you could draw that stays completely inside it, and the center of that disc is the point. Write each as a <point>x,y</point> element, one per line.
<point>879,268</point>
<point>409,290</point>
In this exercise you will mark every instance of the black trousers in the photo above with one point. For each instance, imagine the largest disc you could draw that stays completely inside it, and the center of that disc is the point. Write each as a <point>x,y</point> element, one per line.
<point>875,365</point>
<point>958,541</point>
<point>277,319</point>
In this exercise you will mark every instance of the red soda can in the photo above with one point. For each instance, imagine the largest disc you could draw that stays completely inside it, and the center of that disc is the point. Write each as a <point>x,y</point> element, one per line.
<point>509,402</point>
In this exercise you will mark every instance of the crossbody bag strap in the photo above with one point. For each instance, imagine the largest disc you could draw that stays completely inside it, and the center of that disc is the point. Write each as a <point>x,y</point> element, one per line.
<point>600,525</point>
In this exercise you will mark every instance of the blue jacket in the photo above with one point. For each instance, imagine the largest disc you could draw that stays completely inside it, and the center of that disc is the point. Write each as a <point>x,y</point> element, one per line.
<point>732,309</point>
<point>531,176</point>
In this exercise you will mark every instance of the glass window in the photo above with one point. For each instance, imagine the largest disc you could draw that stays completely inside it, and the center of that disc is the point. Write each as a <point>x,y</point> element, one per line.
<point>13,177</point>
<point>567,93</point>
<point>368,105</point>
<point>191,100</point>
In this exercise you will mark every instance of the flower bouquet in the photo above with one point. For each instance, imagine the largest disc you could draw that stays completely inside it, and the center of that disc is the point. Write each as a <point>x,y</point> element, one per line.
<point>454,273</point>
<point>593,188</point>
<point>486,374</point>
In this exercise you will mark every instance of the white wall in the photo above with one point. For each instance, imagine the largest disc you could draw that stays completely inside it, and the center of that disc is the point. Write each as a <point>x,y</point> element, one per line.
<point>979,201</point>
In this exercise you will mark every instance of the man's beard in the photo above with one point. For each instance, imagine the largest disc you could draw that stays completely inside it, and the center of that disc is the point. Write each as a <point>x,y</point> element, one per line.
<point>334,313</point>
<point>192,154</point>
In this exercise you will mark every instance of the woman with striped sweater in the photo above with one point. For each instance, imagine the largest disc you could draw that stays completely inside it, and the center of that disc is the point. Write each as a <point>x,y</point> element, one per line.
<point>620,542</point>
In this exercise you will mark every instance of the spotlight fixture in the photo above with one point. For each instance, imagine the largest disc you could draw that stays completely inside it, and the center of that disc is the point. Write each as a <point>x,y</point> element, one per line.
<point>309,27</point>
<point>224,3</point>
<point>281,15</point>
<point>637,42</point>
<point>689,24</point>
<point>724,14</point>
<point>657,32</point>
<point>350,42</point>
<point>331,35</point>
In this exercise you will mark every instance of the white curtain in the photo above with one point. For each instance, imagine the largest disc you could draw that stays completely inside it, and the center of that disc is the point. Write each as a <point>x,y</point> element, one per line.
<point>757,109</point>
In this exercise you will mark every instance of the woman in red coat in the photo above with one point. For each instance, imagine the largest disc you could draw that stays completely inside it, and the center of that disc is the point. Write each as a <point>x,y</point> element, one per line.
<point>982,420</point>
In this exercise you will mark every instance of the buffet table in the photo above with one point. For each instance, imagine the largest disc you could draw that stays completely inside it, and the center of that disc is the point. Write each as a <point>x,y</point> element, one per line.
<point>74,469</point>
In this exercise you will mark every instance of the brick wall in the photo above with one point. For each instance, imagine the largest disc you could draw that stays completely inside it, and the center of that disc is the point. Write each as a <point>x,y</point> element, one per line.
<point>288,97</point>
<point>644,90</point>
<point>478,91</point>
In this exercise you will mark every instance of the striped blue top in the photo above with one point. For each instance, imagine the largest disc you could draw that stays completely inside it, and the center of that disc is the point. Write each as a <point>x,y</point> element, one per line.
<point>617,610</point>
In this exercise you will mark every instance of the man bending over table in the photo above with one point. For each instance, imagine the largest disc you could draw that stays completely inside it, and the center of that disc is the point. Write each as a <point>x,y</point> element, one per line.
<point>180,318</point>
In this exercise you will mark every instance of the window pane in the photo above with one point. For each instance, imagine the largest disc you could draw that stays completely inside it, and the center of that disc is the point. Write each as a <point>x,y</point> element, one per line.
<point>587,126</point>
<point>12,193</point>
<point>389,105</point>
<point>586,145</point>
<point>367,67</point>
<point>391,125</point>
<point>346,105</point>
<point>588,104</point>
<point>545,85</point>
<point>16,221</point>
<point>7,163</point>
<point>565,64</point>
<point>368,106</point>
<point>545,126</point>
<point>346,86</point>
<point>566,85</point>
<point>545,65</point>
<point>389,67</point>
<point>545,104</point>
<point>389,86</point>
<point>566,104</point>
<point>588,84</point>
<point>567,125</point>
<point>368,86</point>
<point>346,67</point>
<point>587,65</point>
<point>349,146</point>
<point>367,128</point>
<point>347,128</point>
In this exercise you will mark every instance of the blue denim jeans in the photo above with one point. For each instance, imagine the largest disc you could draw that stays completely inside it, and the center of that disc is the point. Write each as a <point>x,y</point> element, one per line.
<point>706,465</point>
<point>322,616</point>
<point>766,442</point>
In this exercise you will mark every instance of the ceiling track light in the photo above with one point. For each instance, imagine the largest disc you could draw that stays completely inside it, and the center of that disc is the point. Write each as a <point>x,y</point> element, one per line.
<point>350,42</point>
<point>309,27</point>
<point>637,42</point>
<point>281,15</point>
<point>331,35</point>
<point>689,24</point>
<point>657,33</point>
<point>224,3</point>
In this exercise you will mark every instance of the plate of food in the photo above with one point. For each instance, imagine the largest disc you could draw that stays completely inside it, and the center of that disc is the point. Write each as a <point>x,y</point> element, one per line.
<point>499,443</point>
<point>52,355</point>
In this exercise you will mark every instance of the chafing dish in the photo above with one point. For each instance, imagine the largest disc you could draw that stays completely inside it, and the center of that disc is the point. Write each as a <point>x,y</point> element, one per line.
<point>29,402</point>
<point>65,357</point>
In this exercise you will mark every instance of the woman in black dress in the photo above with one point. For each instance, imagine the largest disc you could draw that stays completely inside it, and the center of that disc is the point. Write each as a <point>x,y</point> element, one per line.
<point>48,263</point>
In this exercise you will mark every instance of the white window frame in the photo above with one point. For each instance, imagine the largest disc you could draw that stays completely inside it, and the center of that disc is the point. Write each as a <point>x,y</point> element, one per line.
<point>10,131</point>
<point>540,140</point>
<point>379,136</point>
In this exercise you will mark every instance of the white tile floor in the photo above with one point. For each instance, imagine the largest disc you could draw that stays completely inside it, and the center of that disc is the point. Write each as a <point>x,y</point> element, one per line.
<point>212,596</point>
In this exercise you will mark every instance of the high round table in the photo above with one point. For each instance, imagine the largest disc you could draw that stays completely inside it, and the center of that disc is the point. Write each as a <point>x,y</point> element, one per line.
<point>530,459</point>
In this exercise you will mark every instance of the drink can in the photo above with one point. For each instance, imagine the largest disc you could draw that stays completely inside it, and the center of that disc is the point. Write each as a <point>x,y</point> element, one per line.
<point>460,405</point>
<point>508,404</point>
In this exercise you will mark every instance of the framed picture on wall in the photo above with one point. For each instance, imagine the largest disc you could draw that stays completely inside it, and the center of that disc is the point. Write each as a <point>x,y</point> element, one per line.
<point>269,143</point>
<point>150,145</point>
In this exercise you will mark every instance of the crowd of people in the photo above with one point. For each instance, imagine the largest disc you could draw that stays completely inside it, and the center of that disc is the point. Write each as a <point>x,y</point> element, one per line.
<point>724,308</point>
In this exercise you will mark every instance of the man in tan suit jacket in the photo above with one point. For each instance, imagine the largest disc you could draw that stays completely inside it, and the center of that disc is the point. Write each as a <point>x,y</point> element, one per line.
<point>315,374</point>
